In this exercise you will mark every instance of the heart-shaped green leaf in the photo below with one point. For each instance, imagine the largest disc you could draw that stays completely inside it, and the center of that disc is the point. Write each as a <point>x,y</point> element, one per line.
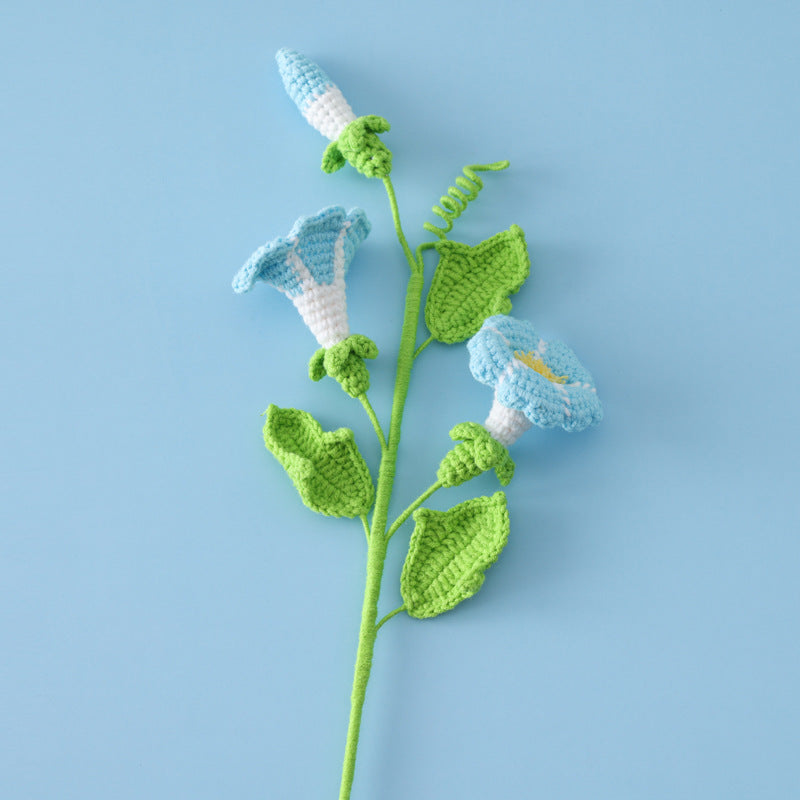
<point>450,551</point>
<point>325,466</point>
<point>473,283</point>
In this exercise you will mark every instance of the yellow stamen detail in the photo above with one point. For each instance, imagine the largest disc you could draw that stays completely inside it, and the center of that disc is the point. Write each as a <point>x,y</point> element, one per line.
<point>536,363</point>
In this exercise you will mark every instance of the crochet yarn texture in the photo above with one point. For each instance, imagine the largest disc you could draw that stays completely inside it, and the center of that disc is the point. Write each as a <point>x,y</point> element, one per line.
<point>309,266</point>
<point>449,553</point>
<point>533,381</point>
<point>359,145</point>
<point>344,362</point>
<point>472,283</point>
<point>314,93</point>
<point>557,391</point>
<point>326,468</point>
<point>354,139</point>
<point>477,453</point>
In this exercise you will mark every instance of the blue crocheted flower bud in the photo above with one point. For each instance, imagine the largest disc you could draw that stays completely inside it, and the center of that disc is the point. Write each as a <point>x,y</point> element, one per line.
<point>353,139</point>
<point>314,93</point>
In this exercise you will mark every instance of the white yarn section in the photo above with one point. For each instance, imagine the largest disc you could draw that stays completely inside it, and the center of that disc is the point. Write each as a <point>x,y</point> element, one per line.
<point>324,309</point>
<point>323,306</point>
<point>329,113</point>
<point>506,425</point>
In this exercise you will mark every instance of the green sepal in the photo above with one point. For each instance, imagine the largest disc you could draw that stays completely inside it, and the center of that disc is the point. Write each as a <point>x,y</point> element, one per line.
<point>326,467</point>
<point>449,553</point>
<point>345,362</point>
<point>473,283</point>
<point>477,452</point>
<point>359,144</point>
<point>332,158</point>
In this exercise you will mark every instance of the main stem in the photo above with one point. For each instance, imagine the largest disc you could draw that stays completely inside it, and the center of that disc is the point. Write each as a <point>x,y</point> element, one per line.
<point>376,549</point>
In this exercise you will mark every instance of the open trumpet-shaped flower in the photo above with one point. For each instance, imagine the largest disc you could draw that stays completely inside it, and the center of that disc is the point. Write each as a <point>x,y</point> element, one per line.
<point>535,382</point>
<point>324,107</point>
<point>309,266</point>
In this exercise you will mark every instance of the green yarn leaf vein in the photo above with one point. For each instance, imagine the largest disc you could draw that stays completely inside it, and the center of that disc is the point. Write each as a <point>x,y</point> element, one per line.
<point>473,283</point>
<point>326,467</point>
<point>449,553</point>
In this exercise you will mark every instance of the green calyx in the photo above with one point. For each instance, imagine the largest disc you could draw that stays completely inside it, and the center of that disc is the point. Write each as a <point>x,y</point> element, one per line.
<point>477,453</point>
<point>326,467</point>
<point>359,144</point>
<point>449,553</point>
<point>345,362</point>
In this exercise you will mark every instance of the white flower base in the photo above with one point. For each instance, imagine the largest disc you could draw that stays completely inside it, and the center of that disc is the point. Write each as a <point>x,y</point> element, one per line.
<point>506,425</point>
<point>323,308</point>
<point>329,113</point>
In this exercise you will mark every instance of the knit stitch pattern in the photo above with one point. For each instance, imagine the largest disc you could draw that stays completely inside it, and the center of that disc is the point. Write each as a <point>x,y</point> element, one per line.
<point>472,283</point>
<point>499,353</point>
<point>326,467</point>
<point>449,553</point>
<point>476,453</point>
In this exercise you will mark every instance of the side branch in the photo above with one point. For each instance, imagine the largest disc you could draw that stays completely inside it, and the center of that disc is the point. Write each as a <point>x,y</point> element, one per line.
<point>389,616</point>
<point>373,418</point>
<point>412,262</point>
<point>412,508</point>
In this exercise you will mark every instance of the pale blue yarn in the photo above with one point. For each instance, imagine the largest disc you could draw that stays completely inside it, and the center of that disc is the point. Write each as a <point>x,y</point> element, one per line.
<point>304,80</point>
<point>521,388</point>
<point>312,240</point>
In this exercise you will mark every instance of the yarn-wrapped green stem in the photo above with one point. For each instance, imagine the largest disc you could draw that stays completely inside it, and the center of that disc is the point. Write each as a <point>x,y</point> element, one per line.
<point>412,508</point>
<point>373,418</point>
<point>376,549</point>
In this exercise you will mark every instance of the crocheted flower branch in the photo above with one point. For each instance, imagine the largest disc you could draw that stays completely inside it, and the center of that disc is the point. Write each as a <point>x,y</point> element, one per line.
<point>535,381</point>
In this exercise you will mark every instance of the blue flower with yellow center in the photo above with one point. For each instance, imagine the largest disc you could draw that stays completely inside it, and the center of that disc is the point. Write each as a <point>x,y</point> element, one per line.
<point>542,381</point>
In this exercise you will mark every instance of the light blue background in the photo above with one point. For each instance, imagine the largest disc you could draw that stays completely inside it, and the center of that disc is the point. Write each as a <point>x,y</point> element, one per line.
<point>176,625</point>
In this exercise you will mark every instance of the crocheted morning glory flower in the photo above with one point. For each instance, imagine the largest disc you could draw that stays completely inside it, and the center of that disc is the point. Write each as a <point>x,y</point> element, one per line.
<point>535,382</point>
<point>309,266</point>
<point>324,107</point>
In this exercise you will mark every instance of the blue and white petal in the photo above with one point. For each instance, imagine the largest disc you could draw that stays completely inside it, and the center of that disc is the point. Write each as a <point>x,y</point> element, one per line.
<point>492,348</point>
<point>357,230</point>
<point>309,266</point>
<point>270,263</point>
<point>314,93</point>
<point>316,239</point>
<point>523,395</point>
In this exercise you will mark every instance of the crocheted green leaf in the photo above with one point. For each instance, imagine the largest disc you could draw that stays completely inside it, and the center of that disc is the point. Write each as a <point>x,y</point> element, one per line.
<point>450,551</point>
<point>473,283</point>
<point>325,466</point>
